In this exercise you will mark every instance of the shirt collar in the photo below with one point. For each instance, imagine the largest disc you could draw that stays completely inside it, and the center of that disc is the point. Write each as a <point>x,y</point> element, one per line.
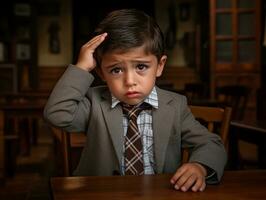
<point>152,99</point>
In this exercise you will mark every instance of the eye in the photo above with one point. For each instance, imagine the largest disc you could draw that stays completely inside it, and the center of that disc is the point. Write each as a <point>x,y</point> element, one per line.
<point>116,70</point>
<point>142,67</point>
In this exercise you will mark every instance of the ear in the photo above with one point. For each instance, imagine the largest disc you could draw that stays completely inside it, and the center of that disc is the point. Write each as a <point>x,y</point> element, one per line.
<point>161,65</point>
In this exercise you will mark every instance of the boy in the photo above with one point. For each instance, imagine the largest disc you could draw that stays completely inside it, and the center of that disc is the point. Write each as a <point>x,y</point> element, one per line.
<point>128,54</point>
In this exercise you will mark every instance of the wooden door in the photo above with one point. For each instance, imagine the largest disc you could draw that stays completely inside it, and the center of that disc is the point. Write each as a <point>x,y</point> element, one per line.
<point>235,50</point>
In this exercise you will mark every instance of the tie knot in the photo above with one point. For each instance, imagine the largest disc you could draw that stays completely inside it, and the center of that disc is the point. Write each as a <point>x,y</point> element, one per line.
<point>133,111</point>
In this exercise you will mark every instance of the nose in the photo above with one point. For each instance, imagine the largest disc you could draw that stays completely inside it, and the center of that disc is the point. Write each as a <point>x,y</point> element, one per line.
<point>130,78</point>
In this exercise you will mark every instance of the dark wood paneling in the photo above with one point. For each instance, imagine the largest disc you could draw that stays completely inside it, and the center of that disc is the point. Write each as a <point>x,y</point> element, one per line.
<point>48,77</point>
<point>179,76</point>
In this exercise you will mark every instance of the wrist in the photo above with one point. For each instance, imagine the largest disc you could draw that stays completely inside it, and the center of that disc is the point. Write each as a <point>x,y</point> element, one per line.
<point>83,66</point>
<point>203,169</point>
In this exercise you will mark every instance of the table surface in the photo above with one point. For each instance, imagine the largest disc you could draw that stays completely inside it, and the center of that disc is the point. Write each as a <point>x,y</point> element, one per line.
<point>235,185</point>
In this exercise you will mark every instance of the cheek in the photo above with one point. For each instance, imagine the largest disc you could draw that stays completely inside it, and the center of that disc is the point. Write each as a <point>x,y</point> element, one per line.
<point>114,85</point>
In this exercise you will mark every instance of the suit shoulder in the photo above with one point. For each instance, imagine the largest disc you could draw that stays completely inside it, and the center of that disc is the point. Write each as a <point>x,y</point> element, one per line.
<point>171,95</point>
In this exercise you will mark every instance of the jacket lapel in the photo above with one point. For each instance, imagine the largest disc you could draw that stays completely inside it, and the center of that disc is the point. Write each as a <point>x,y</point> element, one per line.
<point>114,121</point>
<point>162,122</point>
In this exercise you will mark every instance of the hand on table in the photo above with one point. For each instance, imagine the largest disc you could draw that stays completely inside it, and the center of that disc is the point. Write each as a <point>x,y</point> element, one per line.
<point>190,176</point>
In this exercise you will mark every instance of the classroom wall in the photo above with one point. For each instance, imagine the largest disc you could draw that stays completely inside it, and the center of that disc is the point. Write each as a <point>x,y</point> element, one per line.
<point>64,19</point>
<point>176,55</point>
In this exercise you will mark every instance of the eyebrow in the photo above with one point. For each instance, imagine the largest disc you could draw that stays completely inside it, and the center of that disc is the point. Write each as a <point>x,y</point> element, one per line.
<point>133,61</point>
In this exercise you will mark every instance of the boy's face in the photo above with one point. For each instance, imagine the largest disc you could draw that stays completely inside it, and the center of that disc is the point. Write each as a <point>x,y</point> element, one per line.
<point>131,75</point>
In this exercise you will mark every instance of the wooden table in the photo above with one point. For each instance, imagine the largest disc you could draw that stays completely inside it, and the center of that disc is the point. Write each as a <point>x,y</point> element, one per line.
<point>235,185</point>
<point>253,131</point>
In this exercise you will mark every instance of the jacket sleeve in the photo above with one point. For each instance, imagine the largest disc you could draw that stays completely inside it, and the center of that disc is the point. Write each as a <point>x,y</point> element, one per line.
<point>67,106</point>
<point>205,147</point>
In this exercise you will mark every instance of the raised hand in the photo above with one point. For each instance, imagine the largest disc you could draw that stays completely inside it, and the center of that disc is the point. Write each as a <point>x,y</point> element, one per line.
<point>86,60</point>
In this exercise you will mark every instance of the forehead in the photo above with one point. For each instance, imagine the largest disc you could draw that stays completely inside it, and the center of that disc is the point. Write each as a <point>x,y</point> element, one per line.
<point>132,53</point>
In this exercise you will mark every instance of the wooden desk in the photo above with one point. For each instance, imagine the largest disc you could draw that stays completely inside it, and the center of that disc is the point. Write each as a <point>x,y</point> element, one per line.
<point>253,131</point>
<point>235,185</point>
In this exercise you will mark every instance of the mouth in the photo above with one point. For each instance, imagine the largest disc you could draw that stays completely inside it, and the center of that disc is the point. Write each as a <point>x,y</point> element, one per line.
<point>132,94</point>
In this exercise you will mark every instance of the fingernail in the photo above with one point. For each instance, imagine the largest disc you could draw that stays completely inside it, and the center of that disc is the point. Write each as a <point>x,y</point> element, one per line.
<point>176,187</point>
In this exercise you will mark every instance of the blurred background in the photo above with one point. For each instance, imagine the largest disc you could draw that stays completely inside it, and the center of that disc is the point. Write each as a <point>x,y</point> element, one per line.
<point>215,48</point>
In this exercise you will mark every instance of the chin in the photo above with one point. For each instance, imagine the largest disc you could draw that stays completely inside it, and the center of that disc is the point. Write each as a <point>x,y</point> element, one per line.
<point>133,101</point>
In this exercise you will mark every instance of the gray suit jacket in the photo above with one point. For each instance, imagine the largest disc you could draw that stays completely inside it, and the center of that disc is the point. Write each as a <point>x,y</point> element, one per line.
<point>75,106</point>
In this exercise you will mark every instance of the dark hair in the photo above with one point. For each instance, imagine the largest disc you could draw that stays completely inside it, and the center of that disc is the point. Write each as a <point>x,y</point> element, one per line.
<point>129,28</point>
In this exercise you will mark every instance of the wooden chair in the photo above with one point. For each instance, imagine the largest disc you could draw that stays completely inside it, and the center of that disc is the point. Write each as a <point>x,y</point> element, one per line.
<point>216,119</point>
<point>66,143</point>
<point>247,142</point>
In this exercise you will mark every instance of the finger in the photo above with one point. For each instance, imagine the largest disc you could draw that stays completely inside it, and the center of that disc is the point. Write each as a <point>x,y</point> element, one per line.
<point>203,186</point>
<point>96,41</point>
<point>93,39</point>
<point>199,185</point>
<point>178,174</point>
<point>91,47</point>
<point>182,180</point>
<point>187,182</point>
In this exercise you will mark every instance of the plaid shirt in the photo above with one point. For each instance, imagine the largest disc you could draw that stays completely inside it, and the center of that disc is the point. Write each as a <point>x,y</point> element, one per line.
<point>144,122</point>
